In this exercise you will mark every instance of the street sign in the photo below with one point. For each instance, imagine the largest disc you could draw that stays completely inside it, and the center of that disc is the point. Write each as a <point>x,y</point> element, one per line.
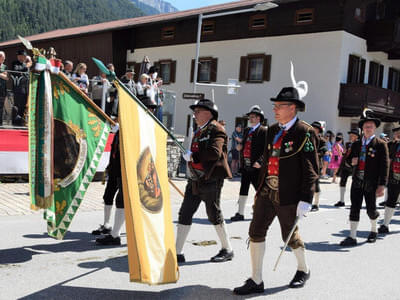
<point>194,96</point>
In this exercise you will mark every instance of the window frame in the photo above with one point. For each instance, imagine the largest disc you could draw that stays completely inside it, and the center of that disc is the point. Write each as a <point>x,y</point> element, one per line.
<point>257,16</point>
<point>304,11</point>
<point>172,70</point>
<point>394,79</point>
<point>375,74</point>
<point>213,69</point>
<point>208,23</point>
<point>356,69</point>
<point>164,30</point>
<point>244,68</point>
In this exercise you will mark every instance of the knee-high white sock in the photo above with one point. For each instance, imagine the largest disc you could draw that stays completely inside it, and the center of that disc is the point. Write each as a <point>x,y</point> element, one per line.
<point>353,229</point>
<point>181,235</point>
<point>107,216</point>
<point>223,236</point>
<point>389,212</point>
<point>316,199</point>
<point>342,191</point>
<point>257,251</point>
<point>300,254</point>
<point>119,220</point>
<point>242,203</point>
<point>373,225</point>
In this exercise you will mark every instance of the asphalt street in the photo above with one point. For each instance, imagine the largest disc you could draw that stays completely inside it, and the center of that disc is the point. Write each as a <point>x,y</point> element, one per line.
<point>34,266</point>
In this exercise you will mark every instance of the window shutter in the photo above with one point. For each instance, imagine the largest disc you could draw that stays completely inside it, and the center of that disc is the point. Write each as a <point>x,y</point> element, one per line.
<point>136,69</point>
<point>362,71</point>
<point>172,71</point>
<point>214,66</point>
<point>372,73</point>
<point>192,71</point>
<point>380,77</point>
<point>243,68</point>
<point>267,68</point>
<point>390,84</point>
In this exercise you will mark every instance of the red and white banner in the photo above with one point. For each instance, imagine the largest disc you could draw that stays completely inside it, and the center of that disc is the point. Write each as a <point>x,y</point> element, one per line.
<point>14,157</point>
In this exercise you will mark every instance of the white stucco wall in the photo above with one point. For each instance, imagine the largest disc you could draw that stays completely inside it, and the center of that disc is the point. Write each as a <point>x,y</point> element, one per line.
<point>321,59</point>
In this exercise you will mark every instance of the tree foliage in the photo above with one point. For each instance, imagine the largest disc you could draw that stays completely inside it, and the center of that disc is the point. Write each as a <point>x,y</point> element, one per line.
<point>28,17</point>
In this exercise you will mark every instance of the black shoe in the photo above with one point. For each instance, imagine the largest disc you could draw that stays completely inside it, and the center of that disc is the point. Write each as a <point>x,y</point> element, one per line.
<point>372,237</point>
<point>315,208</point>
<point>299,279</point>
<point>250,287</point>
<point>101,230</point>
<point>339,204</point>
<point>383,203</point>
<point>108,240</point>
<point>348,242</point>
<point>383,229</point>
<point>223,255</point>
<point>180,258</point>
<point>237,217</point>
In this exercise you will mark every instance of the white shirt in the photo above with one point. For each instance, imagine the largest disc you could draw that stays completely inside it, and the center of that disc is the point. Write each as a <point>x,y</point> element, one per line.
<point>367,141</point>
<point>289,124</point>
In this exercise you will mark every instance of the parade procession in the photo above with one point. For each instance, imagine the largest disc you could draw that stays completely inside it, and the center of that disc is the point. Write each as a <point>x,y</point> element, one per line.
<point>274,175</point>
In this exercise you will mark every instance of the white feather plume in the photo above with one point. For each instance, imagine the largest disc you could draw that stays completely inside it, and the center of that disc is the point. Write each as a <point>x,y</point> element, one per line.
<point>364,113</point>
<point>301,86</point>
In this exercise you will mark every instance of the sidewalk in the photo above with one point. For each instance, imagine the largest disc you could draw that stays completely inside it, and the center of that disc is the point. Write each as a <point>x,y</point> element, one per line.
<point>14,197</point>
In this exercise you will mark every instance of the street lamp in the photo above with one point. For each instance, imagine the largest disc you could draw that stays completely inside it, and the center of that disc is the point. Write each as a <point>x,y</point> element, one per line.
<point>258,7</point>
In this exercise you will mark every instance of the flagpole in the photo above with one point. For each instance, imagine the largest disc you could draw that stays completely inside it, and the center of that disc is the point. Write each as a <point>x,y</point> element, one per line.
<point>114,78</point>
<point>90,101</point>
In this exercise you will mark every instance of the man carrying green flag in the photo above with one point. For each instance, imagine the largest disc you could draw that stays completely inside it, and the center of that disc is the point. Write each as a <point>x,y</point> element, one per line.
<point>68,134</point>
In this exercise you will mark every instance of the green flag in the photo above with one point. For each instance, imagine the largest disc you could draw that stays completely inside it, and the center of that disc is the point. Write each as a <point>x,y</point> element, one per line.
<point>79,134</point>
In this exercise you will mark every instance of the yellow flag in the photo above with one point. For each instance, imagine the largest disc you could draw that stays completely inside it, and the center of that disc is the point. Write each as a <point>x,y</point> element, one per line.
<point>149,229</point>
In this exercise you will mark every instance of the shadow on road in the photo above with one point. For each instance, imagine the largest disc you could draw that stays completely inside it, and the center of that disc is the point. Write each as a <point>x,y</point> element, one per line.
<point>74,242</point>
<point>187,292</point>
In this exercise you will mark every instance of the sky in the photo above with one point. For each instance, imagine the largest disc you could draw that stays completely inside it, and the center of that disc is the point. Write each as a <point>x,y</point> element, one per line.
<point>189,4</point>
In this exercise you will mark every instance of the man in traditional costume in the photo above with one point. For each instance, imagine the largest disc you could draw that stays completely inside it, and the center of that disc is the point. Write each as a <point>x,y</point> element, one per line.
<point>253,147</point>
<point>208,165</point>
<point>287,184</point>
<point>370,160</point>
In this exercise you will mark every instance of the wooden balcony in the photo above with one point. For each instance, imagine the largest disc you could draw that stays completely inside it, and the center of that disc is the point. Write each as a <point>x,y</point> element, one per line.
<point>353,98</point>
<point>384,35</point>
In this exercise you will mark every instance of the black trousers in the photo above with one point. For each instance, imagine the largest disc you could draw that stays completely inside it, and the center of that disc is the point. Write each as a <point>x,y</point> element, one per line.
<point>208,191</point>
<point>344,175</point>
<point>114,186</point>
<point>249,175</point>
<point>359,190</point>
<point>20,100</point>
<point>393,190</point>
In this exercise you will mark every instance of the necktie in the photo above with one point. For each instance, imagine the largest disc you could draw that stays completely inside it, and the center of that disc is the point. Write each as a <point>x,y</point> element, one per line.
<point>278,135</point>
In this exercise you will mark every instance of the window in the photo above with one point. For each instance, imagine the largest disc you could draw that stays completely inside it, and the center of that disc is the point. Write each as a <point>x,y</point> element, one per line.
<point>258,22</point>
<point>208,27</point>
<point>207,70</point>
<point>394,80</point>
<point>255,68</point>
<point>304,16</point>
<point>375,76</point>
<point>356,69</point>
<point>166,70</point>
<point>168,33</point>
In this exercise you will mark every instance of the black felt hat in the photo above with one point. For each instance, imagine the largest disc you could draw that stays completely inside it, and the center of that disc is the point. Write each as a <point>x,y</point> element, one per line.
<point>396,129</point>
<point>354,131</point>
<point>317,125</point>
<point>290,94</point>
<point>367,115</point>
<point>208,104</point>
<point>256,110</point>
<point>22,52</point>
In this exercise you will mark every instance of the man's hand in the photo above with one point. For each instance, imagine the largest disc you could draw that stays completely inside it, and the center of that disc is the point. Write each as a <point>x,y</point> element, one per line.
<point>256,165</point>
<point>354,161</point>
<point>187,156</point>
<point>302,209</point>
<point>380,191</point>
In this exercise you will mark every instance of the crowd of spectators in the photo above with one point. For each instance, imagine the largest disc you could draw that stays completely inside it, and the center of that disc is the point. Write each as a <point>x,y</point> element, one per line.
<point>99,88</point>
